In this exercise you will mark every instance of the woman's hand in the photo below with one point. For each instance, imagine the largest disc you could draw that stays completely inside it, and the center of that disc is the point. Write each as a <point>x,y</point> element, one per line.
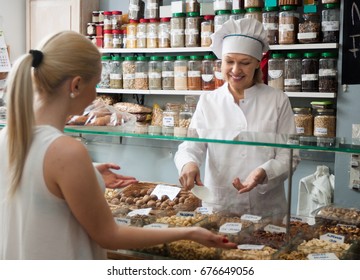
<point>190,175</point>
<point>113,180</point>
<point>209,239</point>
<point>255,177</point>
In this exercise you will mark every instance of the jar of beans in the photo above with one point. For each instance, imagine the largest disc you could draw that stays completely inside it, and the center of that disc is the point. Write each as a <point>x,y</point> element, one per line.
<point>288,25</point>
<point>309,29</point>
<point>303,121</point>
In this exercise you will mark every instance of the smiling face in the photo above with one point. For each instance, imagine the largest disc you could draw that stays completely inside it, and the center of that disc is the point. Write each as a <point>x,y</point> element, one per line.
<point>239,71</point>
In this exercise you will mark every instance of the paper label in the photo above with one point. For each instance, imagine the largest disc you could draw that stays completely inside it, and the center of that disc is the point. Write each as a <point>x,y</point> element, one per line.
<point>186,214</point>
<point>250,247</point>
<point>331,237</point>
<point>274,229</point>
<point>170,191</point>
<point>230,228</point>
<point>156,225</point>
<point>322,256</point>
<point>122,221</point>
<point>204,210</point>
<point>251,218</point>
<point>143,211</point>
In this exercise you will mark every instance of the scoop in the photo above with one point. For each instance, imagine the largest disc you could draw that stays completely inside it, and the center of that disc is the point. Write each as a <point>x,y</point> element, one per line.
<point>203,193</point>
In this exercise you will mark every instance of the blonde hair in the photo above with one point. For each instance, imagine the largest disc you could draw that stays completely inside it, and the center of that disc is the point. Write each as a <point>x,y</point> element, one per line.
<point>66,54</point>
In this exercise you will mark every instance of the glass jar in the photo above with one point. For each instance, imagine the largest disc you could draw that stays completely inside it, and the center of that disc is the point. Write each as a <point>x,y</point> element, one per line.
<point>167,73</point>
<point>207,72</point>
<point>309,29</point>
<point>192,30</point>
<point>220,18</point>
<point>304,121</point>
<point>91,29</point>
<point>207,29</point>
<point>310,72</point>
<point>117,39</point>
<point>177,27</point>
<point>270,21</point>
<point>141,73</point>
<point>276,66</point>
<point>219,79</point>
<point>288,25</point>
<point>129,72</point>
<point>170,118</point>
<point>152,34</point>
<point>136,9</point>
<point>155,69</point>
<point>105,72</point>
<point>131,29</point>
<point>219,5</point>
<point>108,39</point>
<point>95,17</point>
<point>101,17</point>
<point>192,6</point>
<point>324,123</point>
<point>194,72</point>
<point>152,9</point>
<point>253,3</point>
<point>255,13</point>
<point>116,72</point>
<point>180,73</point>
<point>292,76</point>
<point>116,20</point>
<point>330,23</point>
<point>107,20</point>
<point>237,14</point>
<point>141,33</point>
<point>164,33</point>
<point>328,72</point>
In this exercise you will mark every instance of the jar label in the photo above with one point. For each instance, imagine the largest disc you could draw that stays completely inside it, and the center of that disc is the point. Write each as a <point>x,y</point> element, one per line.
<point>134,7</point>
<point>141,35</point>
<point>275,74</point>
<point>207,77</point>
<point>152,6</point>
<point>164,35</point>
<point>194,73</point>
<point>175,32</point>
<point>308,35</point>
<point>140,75</point>
<point>168,121</point>
<point>286,27</point>
<point>292,82</point>
<point>180,74</point>
<point>309,77</point>
<point>115,76</point>
<point>300,130</point>
<point>191,31</point>
<point>321,131</point>
<point>327,72</point>
<point>206,34</point>
<point>271,26</point>
<point>218,75</point>
<point>129,76</point>
<point>330,26</point>
<point>167,74</point>
<point>154,75</point>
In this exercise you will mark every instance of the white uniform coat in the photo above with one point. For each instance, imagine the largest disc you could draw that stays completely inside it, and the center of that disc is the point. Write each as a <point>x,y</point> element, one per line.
<point>263,109</point>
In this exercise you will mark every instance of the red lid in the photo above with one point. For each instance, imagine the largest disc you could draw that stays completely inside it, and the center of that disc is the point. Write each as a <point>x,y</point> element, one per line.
<point>116,31</point>
<point>142,20</point>
<point>123,31</point>
<point>107,13</point>
<point>209,17</point>
<point>117,12</point>
<point>133,21</point>
<point>165,19</point>
<point>109,31</point>
<point>154,20</point>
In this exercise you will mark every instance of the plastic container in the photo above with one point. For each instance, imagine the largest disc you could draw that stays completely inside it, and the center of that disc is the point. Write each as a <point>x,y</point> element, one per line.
<point>131,29</point>
<point>303,121</point>
<point>128,66</point>
<point>141,73</point>
<point>330,23</point>
<point>168,73</point>
<point>276,67</point>
<point>255,13</point>
<point>309,29</point>
<point>237,14</point>
<point>141,33</point>
<point>270,21</point>
<point>324,123</point>
<point>152,9</point>
<point>328,72</point>
<point>116,39</point>
<point>116,20</point>
<point>177,27</point>
<point>207,72</point>
<point>288,25</point>
<point>194,73</point>
<point>108,39</point>
<point>219,79</point>
<point>116,80</point>
<point>220,18</point>
<point>292,76</point>
<point>152,34</point>
<point>105,72</point>
<point>164,33</point>
<point>192,29</point>
<point>107,20</point>
<point>155,69</point>
<point>310,72</point>
<point>206,30</point>
<point>180,73</point>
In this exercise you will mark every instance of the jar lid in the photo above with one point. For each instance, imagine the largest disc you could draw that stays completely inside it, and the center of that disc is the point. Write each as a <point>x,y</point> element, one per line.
<point>238,11</point>
<point>142,58</point>
<point>210,56</point>
<point>223,12</point>
<point>326,111</point>
<point>253,9</point>
<point>193,14</point>
<point>169,57</point>
<point>106,57</point>
<point>209,17</point>
<point>116,58</point>
<point>271,9</point>
<point>288,8</point>
<point>117,12</point>
<point>107,13</point>
<point>293,55</point>
<point>302,110</point>
<point>321,104</point>
<point>108,31</point>
<point>95,13</point>
<point>277,55</point>
<point>165,19</point>
<point>311,55</point>
<point>134,21</point>
<point>154,20</point>
<point>195,57</point>
<point>144,20</point>
<point>130,58</point>
<point>181,57</point>
<point>116,31</point>
<point>329,54</point>
<point>155,57</point>
<point>179,15</point>
<point>332,6</point>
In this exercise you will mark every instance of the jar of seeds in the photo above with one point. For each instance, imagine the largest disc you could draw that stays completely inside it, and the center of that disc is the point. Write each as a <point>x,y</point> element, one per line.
<point>116,72</point>
<point>167,73</point>
<point>141,73</point>
<point>293,68</point>
<point>177,27</point>
<point>328,72</point>
<point>325,123</point>
<point>303,121</point>
<point>155,69</point>
<point>128,67</point>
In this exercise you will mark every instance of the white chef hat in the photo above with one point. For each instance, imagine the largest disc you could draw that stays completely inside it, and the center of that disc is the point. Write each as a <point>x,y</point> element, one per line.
<point>246,36</point>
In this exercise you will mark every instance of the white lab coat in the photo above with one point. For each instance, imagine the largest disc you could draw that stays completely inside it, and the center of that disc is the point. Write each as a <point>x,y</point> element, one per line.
<point>263,109</point>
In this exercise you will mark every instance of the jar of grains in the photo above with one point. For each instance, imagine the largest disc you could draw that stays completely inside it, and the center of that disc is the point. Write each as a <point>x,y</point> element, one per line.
<point>328,72</point>
<point>177,27</point>
<point>128,66</point>
<point>276,66</point>
<point>116,72</point>
<point>288,25</point>
<point>237,14</point>
<point>253,3</point>
<point>107,20</point>
<point>105,72</point>
<point>116,19</point>
<point>155,69</point>
<point>330,23</point>
<point>270,21</point>
<point>220,18</point>
<point>167,73</point>
<point>141,33</point>
<point>192,6</point>
<point>180,73</point>
<point>219,5</point>
<point>164,33</point>
<point>151,9</point>
<point>309,29</point>
<point>292,76</point>
<point>219,79</point>
<point>194,72</point>
<point>131,29</point>
<point>207,72</point>
<point>310,72</point>
<point>141,73</point>
<point>207,29</point>
<point>255,13</point>
<point>152,34</point>
<point>303,121</point>
<point>117,38</point>
<point>192,29</point>
<point>324,123</point>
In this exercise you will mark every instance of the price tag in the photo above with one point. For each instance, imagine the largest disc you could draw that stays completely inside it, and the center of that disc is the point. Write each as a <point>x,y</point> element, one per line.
<point>185,214</point>
<point>251,218</point>
<point>156,225</point>
<point>204,210</point>
<point>122,221</point>
<point>335,238</point>
<point>322,256</point>
<point>230,228</point>
<point>250,247</point>
<point>308,220</point>
<point>274,229</point>
<point>170,191</point>
<point>143,211</point>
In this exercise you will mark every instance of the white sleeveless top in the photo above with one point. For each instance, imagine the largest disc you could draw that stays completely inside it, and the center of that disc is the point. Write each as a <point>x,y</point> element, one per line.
<point>35,224</point>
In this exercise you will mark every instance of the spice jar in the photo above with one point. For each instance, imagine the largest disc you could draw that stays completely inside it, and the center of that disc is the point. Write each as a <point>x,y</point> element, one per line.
<point>219,5</point>
<point>141,73</point>
<point>180,73</point>
<point>129,72</point>
<point>116,20</point>
<point>155,69</point>
<point>95,17</point>
<point>91,29</point>
<point>207,72</point>
<point>288,25</point>
<point>194,73</point>
<point>105,72</point>
<point>276,67</point>
<point>177,27</point>
<point>292,76</point>
<point>255,13</point>
<point>219,80</point>
<point>192,30</point>
<point>207,29</point>
<point>310,72</point>
<point>117,38</point>
<point>164,33</point>
<point>167,73</point>
<point>152,34</point>
<point>108,39</point>
<point>303,121</point>
<point>131,29</point>
<point>101,17</point>
<point>107,20</point>
<point>141,33</point>
<point>170,118</point>
<point>330,23</point>
<point>192,6</point>
<point>253,3</point>
<point>151,9</point>
<point>328,72</point>
<point>237,14</point>
<point>116,72</point>
<point>309,29</point>
<point>270,21</point>
<point>220,18</point>
<point>324,123</point>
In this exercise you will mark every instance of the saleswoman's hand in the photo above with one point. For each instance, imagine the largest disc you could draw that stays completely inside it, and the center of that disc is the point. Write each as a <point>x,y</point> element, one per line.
<point>113,180</point>
<point>190,175</point>
<point>255,177</point>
